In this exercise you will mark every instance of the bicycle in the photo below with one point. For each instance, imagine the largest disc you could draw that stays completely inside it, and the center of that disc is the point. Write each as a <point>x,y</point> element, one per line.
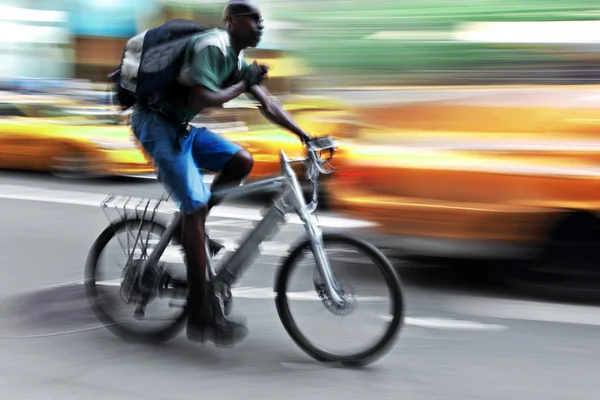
<point>145,278</point>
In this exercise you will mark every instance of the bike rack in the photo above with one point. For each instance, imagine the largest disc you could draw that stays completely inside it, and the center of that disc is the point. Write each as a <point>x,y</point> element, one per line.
<point>146,209</point>
<point>140,206</point>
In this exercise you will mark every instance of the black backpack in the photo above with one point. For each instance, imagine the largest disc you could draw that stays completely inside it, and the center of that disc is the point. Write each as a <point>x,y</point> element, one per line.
<point>151,61</point>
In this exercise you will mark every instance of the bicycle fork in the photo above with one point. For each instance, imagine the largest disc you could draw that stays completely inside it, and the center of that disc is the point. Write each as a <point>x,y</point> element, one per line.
<point>315,237</point>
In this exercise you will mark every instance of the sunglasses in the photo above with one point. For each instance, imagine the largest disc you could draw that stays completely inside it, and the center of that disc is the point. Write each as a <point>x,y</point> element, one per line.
<point>255,16</point>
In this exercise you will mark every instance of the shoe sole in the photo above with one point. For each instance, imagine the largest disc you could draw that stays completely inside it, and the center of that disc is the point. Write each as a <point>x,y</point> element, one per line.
<point>208,335</point>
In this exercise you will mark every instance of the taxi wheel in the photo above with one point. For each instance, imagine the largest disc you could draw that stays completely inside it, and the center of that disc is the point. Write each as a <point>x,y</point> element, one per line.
<point>70,164</point>
<point>567,265</point>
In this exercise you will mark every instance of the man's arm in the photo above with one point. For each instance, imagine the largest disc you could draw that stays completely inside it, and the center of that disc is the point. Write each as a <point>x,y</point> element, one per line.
<point>273,111</point>
<point>206,90</point>
<point>202,97</point>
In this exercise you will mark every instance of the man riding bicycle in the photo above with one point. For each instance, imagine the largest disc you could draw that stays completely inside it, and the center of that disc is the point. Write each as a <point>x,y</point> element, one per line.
<point>180,150</point>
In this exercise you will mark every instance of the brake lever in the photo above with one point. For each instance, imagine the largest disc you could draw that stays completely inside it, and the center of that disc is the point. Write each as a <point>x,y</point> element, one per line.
<point>331,167</point>
<point>323,170</point>
<point>318,163</point>
<point>309,172</point>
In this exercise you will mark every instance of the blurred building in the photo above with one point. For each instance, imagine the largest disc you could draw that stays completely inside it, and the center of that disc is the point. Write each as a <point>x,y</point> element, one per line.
<point>84,39</point>
<point>67,38</point>
<point>34,43</point>
<point>100,29</point>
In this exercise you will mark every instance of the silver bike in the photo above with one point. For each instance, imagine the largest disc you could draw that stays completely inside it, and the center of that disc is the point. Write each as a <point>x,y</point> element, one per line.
<point>145,277</point>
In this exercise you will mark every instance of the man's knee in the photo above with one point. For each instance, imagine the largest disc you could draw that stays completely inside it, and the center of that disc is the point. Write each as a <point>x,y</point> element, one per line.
<point>247,161</point>
<point>194,221</point>
<point>240,165</point>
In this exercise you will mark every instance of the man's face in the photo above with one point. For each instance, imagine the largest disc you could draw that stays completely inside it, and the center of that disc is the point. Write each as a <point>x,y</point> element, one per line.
<point>247,29</point>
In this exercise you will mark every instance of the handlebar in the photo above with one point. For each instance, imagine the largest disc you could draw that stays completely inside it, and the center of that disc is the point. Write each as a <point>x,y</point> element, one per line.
<point>317,145</point>
<point>313,164</point>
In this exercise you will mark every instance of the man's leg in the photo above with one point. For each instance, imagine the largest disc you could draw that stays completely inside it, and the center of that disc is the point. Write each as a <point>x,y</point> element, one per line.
<point>235,170</point>
<point>180,175</point>
<point>230,161</point>
<point>206,318</point>
<point>193,243</point>
<point>232,173</point>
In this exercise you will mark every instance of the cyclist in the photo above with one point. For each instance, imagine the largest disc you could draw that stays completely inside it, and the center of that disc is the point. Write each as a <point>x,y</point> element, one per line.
<point>179,150</point>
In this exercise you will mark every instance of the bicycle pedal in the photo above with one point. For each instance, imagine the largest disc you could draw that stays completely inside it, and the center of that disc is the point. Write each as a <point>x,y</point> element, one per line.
<point>214,247</point>
<point>140,312</point>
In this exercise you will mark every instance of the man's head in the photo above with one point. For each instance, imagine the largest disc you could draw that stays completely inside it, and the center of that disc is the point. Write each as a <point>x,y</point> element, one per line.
<point>244,22</point>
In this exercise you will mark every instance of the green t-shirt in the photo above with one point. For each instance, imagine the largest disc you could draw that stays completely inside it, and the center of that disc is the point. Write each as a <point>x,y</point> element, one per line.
<point>209,61</point>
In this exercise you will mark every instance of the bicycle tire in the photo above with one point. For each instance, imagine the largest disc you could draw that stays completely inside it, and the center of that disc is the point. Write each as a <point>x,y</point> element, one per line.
<point>153,336</point>
<point>380,348</point>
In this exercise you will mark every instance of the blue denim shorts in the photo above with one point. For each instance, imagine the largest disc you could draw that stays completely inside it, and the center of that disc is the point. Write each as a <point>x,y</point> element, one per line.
<point>180,158</point>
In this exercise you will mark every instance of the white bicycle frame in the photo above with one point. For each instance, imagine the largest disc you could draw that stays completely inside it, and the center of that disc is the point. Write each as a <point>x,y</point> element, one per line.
<point>291,198</point>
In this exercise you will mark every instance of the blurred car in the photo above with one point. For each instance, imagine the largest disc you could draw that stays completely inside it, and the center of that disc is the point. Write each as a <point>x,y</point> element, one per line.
<point>67,140</point>
<point>496,175</point>
<point>241,122</point>
<point>78,139</point>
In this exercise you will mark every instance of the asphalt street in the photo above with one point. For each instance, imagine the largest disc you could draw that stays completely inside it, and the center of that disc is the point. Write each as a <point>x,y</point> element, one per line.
<point>464,338</point>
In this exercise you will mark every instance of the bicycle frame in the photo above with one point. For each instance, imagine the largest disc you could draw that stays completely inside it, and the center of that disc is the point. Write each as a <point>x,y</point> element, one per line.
<point>231,267</point>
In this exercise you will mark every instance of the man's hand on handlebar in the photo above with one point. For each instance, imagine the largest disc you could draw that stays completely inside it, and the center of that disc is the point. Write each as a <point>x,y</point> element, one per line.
<point>320,145</point>
<point>305,137</point>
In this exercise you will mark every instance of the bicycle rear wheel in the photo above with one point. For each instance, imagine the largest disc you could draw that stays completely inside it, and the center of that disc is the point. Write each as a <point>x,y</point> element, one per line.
<point>104,295</point>
<point>361,263</point>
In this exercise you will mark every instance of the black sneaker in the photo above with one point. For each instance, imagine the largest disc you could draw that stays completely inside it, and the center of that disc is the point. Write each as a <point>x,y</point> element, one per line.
<point>216,328</point>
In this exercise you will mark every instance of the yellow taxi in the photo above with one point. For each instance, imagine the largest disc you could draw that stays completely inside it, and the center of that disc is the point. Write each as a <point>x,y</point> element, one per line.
<point>78,139</point>
<point>509,174</point>
<point>61,138</point>
<point>241,121</point>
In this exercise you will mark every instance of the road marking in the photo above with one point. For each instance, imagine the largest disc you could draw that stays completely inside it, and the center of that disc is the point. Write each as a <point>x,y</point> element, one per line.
<point>15,192</point>
<point>311,295</point>
<point>525,310</point>
<point>445,323</point>
<point>264,293</point>
<point>492,308</point>
<point>261,293</point>
<point>452,324</point>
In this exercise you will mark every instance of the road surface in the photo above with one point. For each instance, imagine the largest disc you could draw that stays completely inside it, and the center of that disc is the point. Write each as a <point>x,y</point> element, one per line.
<point>464,338</point>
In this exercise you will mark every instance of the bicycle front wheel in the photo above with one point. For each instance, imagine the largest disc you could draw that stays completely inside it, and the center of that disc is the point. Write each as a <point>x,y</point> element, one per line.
<point>367,267</point>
